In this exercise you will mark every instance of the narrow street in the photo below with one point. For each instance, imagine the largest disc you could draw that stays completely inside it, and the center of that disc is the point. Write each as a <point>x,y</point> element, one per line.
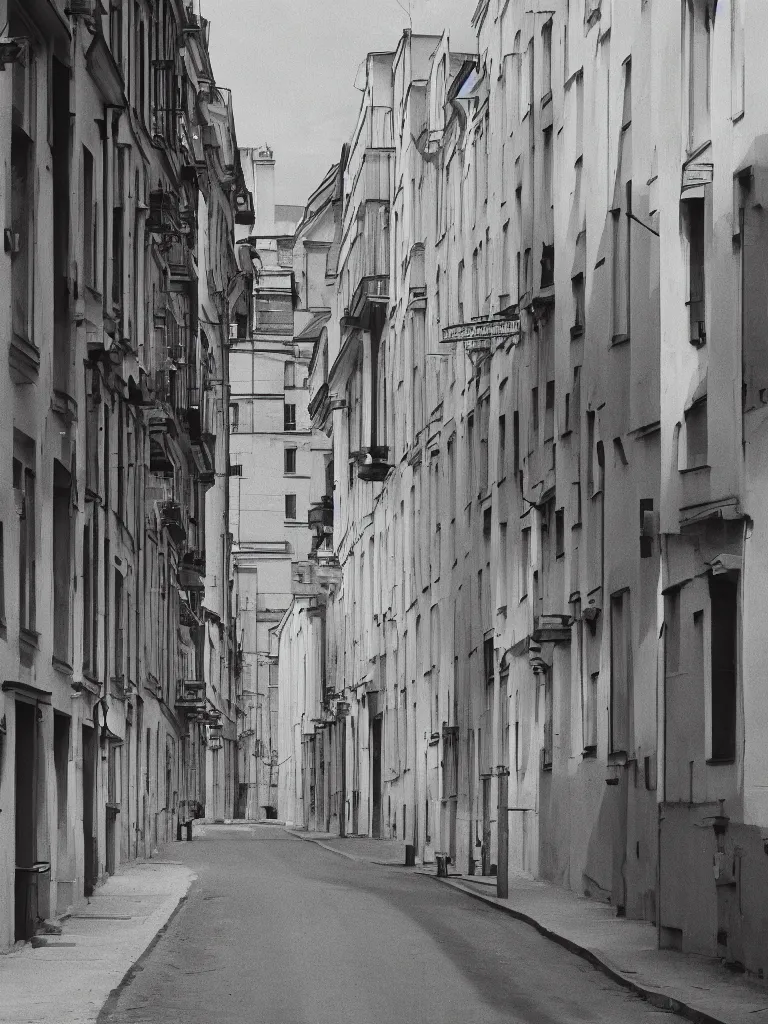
<point>281,931</point>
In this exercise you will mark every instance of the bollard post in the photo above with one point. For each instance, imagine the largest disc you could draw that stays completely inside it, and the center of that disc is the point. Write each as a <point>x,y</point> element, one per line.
<point>502,852</point>
<point>189,831</point>
<point>178,831</point>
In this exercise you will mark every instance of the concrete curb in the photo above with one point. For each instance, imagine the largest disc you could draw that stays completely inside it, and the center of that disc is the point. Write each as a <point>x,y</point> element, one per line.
<point>656,997</point>
<point>110,1002</point>
<point>342,853</point>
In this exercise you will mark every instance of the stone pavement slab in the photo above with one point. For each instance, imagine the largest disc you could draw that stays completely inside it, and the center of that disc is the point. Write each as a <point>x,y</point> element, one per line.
<point>697,987</point>
<point>68,978</point>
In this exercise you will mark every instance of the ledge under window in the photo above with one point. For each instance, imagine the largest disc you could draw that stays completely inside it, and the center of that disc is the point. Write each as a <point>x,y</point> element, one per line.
<point>619,339</point>
<point>29,637</point>
<point>61,665</point>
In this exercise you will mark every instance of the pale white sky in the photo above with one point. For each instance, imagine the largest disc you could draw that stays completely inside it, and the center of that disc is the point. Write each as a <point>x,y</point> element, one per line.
<point>291,65</point>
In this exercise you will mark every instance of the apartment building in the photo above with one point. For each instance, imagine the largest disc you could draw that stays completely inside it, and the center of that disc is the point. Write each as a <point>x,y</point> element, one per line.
<point>542,381</point>
<point>272,452</point>
<point>119,146</point>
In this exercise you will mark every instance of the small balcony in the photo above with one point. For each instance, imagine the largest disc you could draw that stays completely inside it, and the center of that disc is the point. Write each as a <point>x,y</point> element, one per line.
<point>171,519</point>
<point>192,572</point>
<point>163,214</point>
<point>553,629</point>
<point>374,464</point>
<point>190,695</point>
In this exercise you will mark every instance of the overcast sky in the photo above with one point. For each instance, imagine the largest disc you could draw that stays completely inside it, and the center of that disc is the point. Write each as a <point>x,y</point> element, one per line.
<point>291,65</point>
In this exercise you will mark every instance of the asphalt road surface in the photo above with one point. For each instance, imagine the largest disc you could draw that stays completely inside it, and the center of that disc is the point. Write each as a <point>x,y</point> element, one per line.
<point>280,931</point>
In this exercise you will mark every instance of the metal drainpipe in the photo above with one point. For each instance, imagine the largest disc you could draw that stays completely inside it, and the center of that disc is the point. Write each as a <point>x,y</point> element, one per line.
<point>661,706</point>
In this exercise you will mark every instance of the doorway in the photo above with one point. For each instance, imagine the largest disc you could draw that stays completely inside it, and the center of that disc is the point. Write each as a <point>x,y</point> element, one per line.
<point>26,818</point>
<point>376,777</point>
<point>486,848</point>
<point>61,753</point>
<point>90,853</point>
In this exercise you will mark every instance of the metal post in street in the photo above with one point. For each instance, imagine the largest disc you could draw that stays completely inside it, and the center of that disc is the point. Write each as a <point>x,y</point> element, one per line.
<point>502,856</point>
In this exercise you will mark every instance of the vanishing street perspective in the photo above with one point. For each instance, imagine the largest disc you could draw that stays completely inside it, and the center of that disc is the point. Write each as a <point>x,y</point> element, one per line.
<point>384,566</point>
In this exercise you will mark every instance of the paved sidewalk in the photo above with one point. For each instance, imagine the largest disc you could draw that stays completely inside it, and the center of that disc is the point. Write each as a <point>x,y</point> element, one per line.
<point>697,987</point>
<point>388,852</point>
<point>68,979</point>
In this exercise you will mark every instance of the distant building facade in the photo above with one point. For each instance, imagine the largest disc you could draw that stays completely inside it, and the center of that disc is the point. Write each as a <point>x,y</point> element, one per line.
<point>272,454</point>
<point>542,381</point>
<point>118,182</point>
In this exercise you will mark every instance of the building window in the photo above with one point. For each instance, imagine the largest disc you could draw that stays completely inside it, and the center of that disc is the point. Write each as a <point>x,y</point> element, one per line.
<point>696,434</point>
<point>737,58</point>
<point>90,222</point>
<point>118,644</point>
<point>589,715</point>
<point>577,291</point>
<point>2,575</point>
<point>647,527</point>
<point>22,178</point>
<point>90,594</point>
<point>470,460</point>
<point>694,218</point>
<point>501,465</point>
<point>549,412</point>
<point>621,673</point>
<point>290,460</point>
<point>234,417</point>
<point>290,375</point>
<point>121,427</point>
<point>62,561</point>
<point>501,596</point>
<point>546,753</point>
<point>723,596</point>
<point>290,506</point>
<point>523,564</point>
<point>559,533</point>
<point>107,456</point>
<point>475,285</point>
<point>534,419</point>
<point>697,63</point>
<point>516,443</point>
<point>620,269</point>
<point>485,411</point>
<point>24,495</point>
<point>289,417</point>
<point>546,61</point>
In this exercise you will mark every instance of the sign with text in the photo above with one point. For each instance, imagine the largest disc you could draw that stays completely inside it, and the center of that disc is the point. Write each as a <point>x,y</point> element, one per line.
<point>482,332</point>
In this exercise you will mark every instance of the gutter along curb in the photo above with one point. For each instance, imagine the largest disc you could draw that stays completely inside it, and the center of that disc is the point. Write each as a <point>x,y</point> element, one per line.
<point>110,1004</point>
<point>343,853</point>
<point>656,997</point>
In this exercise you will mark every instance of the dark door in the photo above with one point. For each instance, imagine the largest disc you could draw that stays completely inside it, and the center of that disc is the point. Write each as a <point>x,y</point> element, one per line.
<point>486,850</point>
<point>26,851</point>
<point>319,780</point>
<point>90,858</point>
<point>376,777</point>
<point>472,812</point>
<point>343,768</point>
